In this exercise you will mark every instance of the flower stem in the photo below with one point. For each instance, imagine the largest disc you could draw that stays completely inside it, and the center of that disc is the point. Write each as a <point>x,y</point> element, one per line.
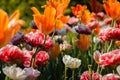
<point>113,24</point>
<point>45,39</point>
<point>33,58</point>
<point>90,71</point>
<point>73,72</point>
<point>110,45</point>
<point>53,33</point>
<point>101,70</point>
<point>6,78</point>
<point>65,74</point>
<point>98,68</point>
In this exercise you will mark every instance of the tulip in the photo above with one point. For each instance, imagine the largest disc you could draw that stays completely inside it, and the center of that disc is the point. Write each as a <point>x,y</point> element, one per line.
<point>86,76</point>
<point>82,13</point>
<point>54,51</point>
<point>96,56</point>
<point>41,58</point>
<point>83,43</point>
<point>9,26</point>
<point>11,54</point>
<point>106,34</point>
<point>112,8</point>
<point>118,69</point>
<point>14,72</point>
<point>71,62</point>
<point>31,73</point>
<point>110,58</point>
<point>110,76</point>
<point>47,22</point>
<point>37,38</point>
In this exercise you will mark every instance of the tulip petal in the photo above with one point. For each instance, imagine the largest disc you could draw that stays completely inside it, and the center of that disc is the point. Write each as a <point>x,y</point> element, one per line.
<point>35,10</point>
<point>3,22</point>
<point>15,16</point>
<point>38,19</point>
<point>59,24</point>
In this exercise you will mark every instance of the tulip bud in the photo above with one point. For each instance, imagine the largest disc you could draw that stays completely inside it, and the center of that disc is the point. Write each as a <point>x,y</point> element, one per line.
<point>118,69</point>
<point>96,56</point>
<point>83,43</point>
<point>82,29</point>
<point>101,15</point>
<point>96,40</point>
<point>54,51</point>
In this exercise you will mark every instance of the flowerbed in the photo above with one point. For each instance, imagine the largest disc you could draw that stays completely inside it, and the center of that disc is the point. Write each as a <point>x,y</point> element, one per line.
<point>62,47</point>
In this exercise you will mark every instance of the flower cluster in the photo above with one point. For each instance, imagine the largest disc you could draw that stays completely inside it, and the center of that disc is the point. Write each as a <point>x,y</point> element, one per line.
<point>85,46</point>
<point>86,76</point>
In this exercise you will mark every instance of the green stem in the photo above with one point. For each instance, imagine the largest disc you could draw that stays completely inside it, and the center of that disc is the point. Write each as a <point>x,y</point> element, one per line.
<point>33,58</point>
<point>98,68</point>
<point>90,71</point>
<point>110,45</point>
<point>101,69</point>
<point>65,74</point>
<point>53,32</point>
<point>6,78</point>
<point>113,24</point>
<point>73,72</point>
<point>45,39</point>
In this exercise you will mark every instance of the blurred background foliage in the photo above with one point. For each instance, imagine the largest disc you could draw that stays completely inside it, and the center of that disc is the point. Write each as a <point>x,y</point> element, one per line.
<point>24,6</point>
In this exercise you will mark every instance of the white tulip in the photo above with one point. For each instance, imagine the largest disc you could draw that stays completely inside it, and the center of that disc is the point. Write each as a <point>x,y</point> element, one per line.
<point>14,72</point>
<point>96,40</point>
<point>118,69</point>
<point>71,62</point>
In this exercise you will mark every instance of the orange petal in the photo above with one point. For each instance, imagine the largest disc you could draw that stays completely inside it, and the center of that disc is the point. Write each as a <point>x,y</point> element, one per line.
<point>64,19</point>
<point>37,19</point>
<point>117,43</point>
<point>49,20</point>
<point>15,16</point>
<point>3,22</point>
<point>54,51</point>
<point>83,43</point>
<point>59,24</point>
<point>16,27</point>
<point>35,10</point>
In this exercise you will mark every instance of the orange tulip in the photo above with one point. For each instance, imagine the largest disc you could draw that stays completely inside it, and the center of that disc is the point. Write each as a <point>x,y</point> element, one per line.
<point>54,51</point>
<point>78,9</point>
<point>46,22</point>
<point>59,5</point>
<point>83,43</point>
<point>82,13</point>
<point>117,43</point>
<point>112,8</point>
<point>86,16</point>
<point>9,26</point>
